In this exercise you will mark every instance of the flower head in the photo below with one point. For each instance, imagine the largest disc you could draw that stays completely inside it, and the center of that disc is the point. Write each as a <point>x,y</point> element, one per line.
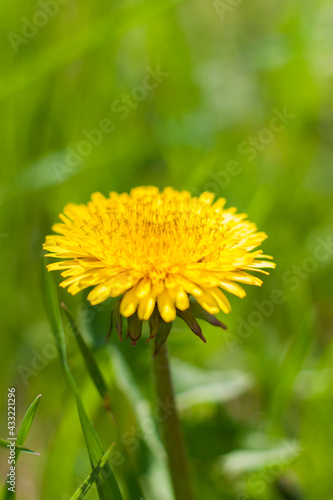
<point>157,250</point>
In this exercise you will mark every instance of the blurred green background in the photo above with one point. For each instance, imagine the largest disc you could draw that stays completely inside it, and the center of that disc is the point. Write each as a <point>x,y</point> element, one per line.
<point>191,89</point>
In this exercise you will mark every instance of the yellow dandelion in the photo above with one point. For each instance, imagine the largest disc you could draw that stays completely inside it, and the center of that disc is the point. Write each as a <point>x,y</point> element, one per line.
<point>157,250</point>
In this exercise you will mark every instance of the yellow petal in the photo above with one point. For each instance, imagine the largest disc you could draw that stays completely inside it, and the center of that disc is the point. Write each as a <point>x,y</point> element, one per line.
<point>143,288</point>
<point>231,287</point>
<point>146,307</point>
<point>99,294</point>
<point>71,280</point>
<point>207,197</point>
<point>75,288</point>
<point>166,306</point>
<point>157,288</point>
<point>189,287</point>
<point>180,298</point>
<point>263,263</point>
<point>129,303</point>
<point>208,303</point>
<point>64,264</point>
<point>250,268</point>
<point>242,277</point>
<point>120,283</point>
<point>220,298</point>
<point>170,282</point>
<point>218,205</point>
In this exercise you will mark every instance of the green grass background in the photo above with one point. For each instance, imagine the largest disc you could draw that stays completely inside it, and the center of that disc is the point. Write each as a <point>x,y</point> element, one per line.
<point>227,73</point>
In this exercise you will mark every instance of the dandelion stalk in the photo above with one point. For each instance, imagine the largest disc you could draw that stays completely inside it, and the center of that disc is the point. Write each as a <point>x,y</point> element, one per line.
<point>171,429</point>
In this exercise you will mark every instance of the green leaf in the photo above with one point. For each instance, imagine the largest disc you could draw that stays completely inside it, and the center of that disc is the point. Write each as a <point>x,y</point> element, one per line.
<point>86,485</point>
<point>27,422</point>
<point>89,359</point>
<point>22,434</point>
<point>54,486</point>
<point>107,485</point>
<point>4,443</point>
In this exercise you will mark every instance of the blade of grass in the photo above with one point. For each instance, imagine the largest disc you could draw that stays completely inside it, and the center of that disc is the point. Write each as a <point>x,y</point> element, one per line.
<point>129,470</point>
<point>4,443</point>
<point>107,485</point>
<point>86,485</point>
<point>22,434</point>
<point>90,362</point>
<point>60,485</point>
<point>27,422</point>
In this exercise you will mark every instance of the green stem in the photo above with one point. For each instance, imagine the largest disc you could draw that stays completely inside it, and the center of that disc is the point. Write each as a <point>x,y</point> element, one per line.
<point>170,424</point>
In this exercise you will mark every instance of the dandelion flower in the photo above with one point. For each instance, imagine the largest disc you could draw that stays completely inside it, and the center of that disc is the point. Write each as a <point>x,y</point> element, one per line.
<point>163,253</point>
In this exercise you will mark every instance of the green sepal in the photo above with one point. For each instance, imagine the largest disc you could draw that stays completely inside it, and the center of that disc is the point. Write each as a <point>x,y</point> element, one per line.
<point>134,328</point>
<point>153,324</point>
<point>191,322</point>
<point>117,319</point>
<point>201,313</point>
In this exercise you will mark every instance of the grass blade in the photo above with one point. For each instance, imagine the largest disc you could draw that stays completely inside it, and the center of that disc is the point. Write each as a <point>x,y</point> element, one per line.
<point>130,474</point>
<point>4,443</point>
<point>107,485</point>
<point>22,434</point>
<point>86,485</point>
<point>27,422</point>
<point>90,362</point>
